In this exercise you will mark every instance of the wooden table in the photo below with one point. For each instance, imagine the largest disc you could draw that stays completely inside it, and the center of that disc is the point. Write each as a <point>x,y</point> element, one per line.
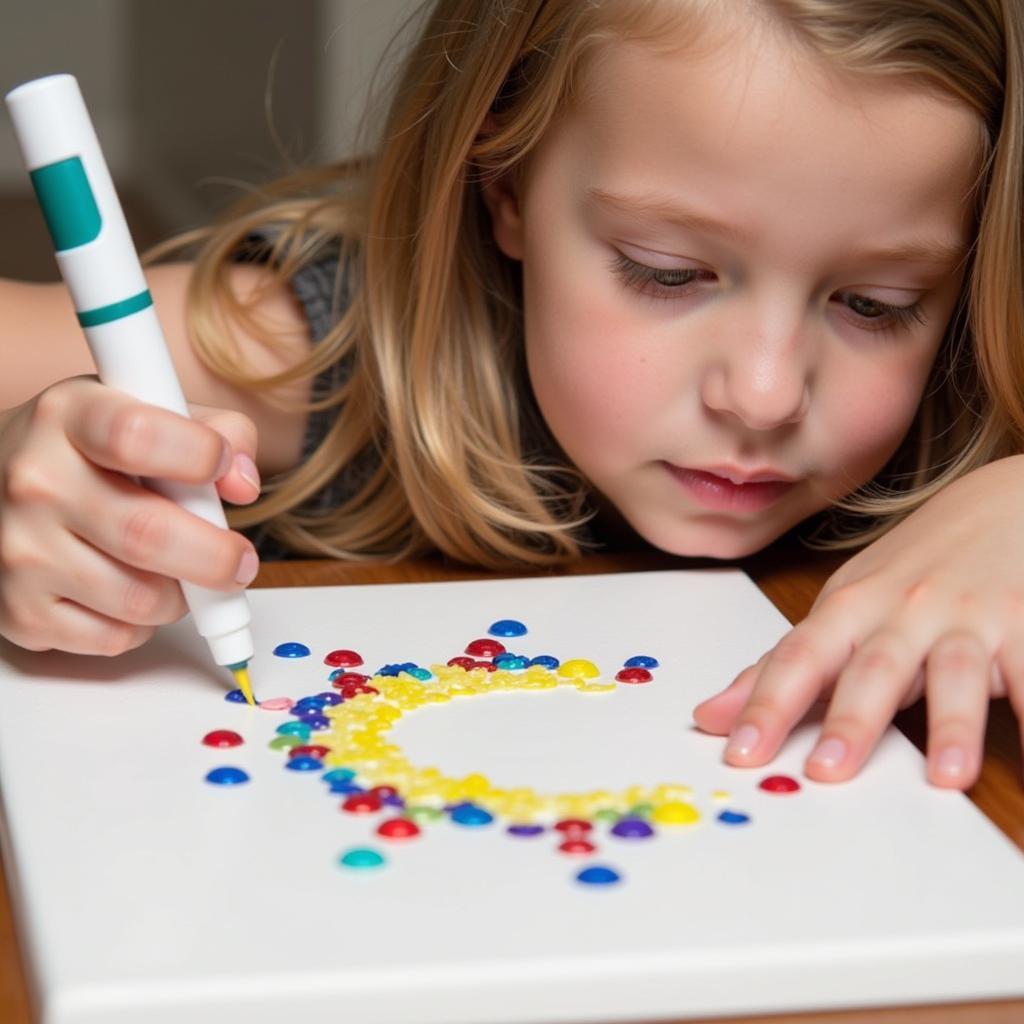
<point>791,578</point>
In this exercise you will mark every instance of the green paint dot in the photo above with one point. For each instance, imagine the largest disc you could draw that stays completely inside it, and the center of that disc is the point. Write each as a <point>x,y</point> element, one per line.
<point>361,857</point>
<point>608,814</point>
<point>285,742</point>
<point>421,812</point>
<point>641,811</point>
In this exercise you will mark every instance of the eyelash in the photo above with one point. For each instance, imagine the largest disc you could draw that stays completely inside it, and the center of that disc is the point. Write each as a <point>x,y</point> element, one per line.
<point>640,278</point>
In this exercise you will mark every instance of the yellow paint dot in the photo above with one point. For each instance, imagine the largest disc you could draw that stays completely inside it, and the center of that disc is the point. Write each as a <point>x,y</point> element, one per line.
<point>578,668</point>
<point>675,812</point>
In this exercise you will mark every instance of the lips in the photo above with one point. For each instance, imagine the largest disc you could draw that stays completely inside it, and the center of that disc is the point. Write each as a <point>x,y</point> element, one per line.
<point>750,492</point>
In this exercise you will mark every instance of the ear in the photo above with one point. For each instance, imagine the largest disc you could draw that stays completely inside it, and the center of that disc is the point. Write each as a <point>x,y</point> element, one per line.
<point>501,195</point>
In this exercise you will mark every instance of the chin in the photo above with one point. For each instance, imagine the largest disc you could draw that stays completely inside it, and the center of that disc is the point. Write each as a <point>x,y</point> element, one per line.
<point>722,540</point>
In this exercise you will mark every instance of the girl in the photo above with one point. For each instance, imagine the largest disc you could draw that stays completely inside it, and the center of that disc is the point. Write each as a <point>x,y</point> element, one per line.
<point>687,270</point>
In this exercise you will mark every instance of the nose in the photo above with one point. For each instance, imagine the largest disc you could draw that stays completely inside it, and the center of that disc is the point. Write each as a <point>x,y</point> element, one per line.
<point>762,375</point>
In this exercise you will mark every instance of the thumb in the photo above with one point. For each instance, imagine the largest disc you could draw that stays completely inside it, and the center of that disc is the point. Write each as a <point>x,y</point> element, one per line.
<point>240,482</point>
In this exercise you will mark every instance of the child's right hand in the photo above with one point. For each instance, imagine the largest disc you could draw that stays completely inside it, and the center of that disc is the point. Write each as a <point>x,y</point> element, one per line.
<point>89,558</point>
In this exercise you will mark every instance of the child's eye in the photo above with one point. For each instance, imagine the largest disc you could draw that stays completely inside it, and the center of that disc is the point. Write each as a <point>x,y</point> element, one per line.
<point>873,315</point>
<point>654,281</point>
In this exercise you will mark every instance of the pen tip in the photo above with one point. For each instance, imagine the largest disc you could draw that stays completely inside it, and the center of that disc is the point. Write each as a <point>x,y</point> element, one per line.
<point>241,674</point>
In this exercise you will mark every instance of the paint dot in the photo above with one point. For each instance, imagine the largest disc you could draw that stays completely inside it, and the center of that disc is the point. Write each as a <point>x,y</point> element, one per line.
<point>344,788</point>
<point>633,675</point>
<point>316,721</point>
<point>507,627</point>
<point>511,662</point>
<point>525,831</point>
<point>545,661</point>
<point>285,742</point>
<point>299,729</point>
<point>362,803</point>
<point>484,648</point>
<point>339,678</point>
<point>276,703</point>
<point>361,858</point>
<point>304,764</point>
<point>462,661</point>
<point>733,818</point>
<point>470,815</point>
<point>423,812</point>
<point>578,668</point>
<point>312,750</point>
<point>779,784</point>
<point>227,776</point>
<point>675,812</point>
<point>222,738</point>
<point>598,875</point>
<point>632,828</point>
<point>577,847</point>
<point>292,650</point>
<point>570,826</point>
<point>338,775</point>
<point>236,697</point>
<point>422,674</point>
<point>343,659</point>
<point>640,661</point>
<point>398,828</point>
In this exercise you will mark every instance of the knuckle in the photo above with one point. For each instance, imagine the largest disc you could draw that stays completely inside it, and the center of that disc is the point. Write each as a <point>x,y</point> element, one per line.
<point>52,405</point>
<point>958,652</point>
<point>141,602</point>
<point>844,597</point>
<point>130,434</point>
<point>794,650</point>
<point>28,481</point>
<point>144,532</point>
<point>119,637</point>
<point>223,564</point>
<point>17,554</point>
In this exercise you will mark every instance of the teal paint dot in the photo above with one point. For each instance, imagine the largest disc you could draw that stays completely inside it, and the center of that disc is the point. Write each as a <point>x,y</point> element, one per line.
<point>423,674</point>
<point>361,857</point>
<point>299,729</point>
<point>338,775</point>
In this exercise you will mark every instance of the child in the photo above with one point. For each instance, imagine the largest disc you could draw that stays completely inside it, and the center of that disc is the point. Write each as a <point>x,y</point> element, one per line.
<point>685,270</point>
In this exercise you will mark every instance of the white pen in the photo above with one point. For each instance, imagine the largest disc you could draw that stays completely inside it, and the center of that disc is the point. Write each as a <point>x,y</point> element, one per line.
<point>101,269</point>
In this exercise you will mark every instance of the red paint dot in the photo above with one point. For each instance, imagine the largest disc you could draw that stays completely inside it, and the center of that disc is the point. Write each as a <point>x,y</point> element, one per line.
<point>574,826</point>
<point>361,803</point>
<point>779,784</point>
<point>350,690</point>
<point>343,659</point>
<point>484,648</point>
<point>398,828</point>
<point>312,750</point>
<point>577,846</point>
<point>348,679</point>
<point>462,661</point>
<point>488,666</point>
<point>222,738</point>
<point>633,675</point>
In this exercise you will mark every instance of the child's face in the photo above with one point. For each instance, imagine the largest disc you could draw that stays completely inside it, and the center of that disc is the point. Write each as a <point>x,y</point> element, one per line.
<point>762,339</point>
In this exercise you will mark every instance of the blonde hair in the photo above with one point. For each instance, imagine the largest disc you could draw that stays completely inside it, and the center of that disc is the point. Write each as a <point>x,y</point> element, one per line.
<point>437,392</point>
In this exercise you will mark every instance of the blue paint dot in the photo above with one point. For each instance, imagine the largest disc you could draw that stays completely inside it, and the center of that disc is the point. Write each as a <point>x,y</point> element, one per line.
<point>525,830</point>
<point>470,814</point>
<point>733,818</point>
<point>389,670</point>
<point>316,721</point>
<point>507,627</point>
<point>339,775</point>
<point>307,704</point>
<point>641,661</point>
<point>330,698</point>
<point>596,875</point>
<point>227,776</point>
<point>291,650</point>
<point>545,661</point>
<point>348,788</point>
<point>304,764</point>
<point>236,697</point>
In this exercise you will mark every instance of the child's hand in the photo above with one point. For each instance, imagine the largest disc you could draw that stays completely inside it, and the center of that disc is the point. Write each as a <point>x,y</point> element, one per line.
<point>935,607</point>
<point>89,559</point>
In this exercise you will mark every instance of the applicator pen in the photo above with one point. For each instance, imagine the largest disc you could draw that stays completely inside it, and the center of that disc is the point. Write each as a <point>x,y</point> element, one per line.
<point>101,269</point>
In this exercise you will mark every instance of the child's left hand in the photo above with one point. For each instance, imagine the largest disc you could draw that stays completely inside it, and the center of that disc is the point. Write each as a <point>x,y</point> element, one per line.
<point>935,607</point>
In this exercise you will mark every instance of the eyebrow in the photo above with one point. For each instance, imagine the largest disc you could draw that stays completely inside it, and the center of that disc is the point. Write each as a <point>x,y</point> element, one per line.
<point>933,251</point>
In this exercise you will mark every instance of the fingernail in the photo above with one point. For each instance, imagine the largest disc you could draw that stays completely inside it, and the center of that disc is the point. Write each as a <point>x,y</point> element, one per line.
<point>952,761</point>
<point>743,741</point>
<point>247,568</point>
<point>829,753</point>
<point>225,462</point>
<point>247,470</point>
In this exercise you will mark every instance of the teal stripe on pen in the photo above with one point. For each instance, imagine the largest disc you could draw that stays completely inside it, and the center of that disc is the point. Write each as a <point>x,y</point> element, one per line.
<point>116,310</point>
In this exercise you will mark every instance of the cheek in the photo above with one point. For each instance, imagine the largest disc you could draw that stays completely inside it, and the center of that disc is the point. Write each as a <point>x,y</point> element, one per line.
<point>585,358</point>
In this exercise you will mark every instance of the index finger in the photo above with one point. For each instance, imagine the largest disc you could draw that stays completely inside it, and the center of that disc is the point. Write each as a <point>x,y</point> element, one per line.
<point>118,432</point>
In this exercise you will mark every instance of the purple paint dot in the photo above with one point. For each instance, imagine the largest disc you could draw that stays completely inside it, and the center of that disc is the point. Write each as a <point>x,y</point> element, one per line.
<point>525,830</point>
<point>632,828</point>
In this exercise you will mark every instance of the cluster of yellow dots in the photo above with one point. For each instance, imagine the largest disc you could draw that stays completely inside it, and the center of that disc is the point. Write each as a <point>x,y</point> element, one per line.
<point>357,738</point>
